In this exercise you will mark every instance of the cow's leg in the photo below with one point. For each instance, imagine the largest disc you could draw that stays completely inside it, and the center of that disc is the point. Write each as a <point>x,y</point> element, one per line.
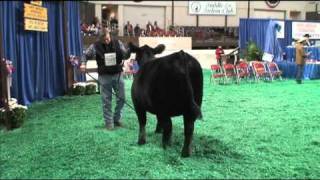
<point>167,131</point>
<point>142,126</point>
<point>188,133</point>
<point>159,126</point>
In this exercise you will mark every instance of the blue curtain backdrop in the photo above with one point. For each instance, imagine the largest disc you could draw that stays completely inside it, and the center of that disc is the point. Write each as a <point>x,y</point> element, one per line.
<point>272,45</point>
<point>74,35</point>
<point>253,29</point>
<point>37,56</point>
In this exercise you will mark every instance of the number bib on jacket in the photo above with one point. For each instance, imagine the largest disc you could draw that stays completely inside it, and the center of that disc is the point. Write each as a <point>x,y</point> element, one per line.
<point>110,59</point>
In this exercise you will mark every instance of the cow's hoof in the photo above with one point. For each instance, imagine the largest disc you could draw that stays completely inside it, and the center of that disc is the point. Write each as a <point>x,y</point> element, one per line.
<point>186,153</point>
<point>142,141</point>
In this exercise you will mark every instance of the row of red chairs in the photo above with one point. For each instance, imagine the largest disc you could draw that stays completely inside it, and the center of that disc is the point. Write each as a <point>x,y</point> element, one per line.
<point>259,70</point>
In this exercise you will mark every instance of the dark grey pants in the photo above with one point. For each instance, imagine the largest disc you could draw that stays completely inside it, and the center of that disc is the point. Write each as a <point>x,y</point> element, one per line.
<point>299,74</point>
<point>109,83</point>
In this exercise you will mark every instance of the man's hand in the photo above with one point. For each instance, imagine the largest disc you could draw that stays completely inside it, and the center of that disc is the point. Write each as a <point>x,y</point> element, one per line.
<point>83,68</point>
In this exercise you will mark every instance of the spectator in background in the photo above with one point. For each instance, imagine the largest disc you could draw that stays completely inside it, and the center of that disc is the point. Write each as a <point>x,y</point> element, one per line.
<point>96,22</point>
<point>113,23</point>
<point>143,33</point>
<point>171,31</point>
<point>84,28</point>
<point>155,26</point>
<point>128,29</point>
<point>219,53</point>
<point>300,59</point>
<point>149,28</point>
<point>137,30</point>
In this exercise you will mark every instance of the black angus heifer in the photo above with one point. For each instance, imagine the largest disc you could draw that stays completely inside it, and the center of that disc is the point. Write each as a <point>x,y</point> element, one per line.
<point>167,86</point>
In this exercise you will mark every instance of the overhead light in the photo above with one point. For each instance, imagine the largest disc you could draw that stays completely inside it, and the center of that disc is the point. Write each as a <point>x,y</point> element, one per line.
<point>104,7</point>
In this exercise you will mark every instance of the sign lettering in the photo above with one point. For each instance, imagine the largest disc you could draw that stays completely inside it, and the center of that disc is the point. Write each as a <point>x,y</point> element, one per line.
<point>301,28</point>
<point>212,7</point>
<point>35,25</point>
<point>35,12</point>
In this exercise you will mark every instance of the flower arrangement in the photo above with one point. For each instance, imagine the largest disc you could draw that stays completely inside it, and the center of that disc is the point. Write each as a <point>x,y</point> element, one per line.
<point>82,88</point>
<point>91,88</point>
<point>9,66</point>
<point>79,88</point>
<point>74,60</point>
<point>16,114</point>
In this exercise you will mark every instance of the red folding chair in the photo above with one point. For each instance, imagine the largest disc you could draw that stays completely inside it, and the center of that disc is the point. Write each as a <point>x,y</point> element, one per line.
<point>216,73</point>
<point>274,71</point>
<point>242,70</point>
<point>259,70</point>
<point>229,72</point>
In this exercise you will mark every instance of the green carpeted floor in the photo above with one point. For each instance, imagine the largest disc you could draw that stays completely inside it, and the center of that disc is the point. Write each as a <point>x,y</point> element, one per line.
<point>261,130</point>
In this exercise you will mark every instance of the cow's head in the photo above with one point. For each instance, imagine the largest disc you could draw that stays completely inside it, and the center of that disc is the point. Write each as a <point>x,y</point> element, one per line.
<point>145,53</point>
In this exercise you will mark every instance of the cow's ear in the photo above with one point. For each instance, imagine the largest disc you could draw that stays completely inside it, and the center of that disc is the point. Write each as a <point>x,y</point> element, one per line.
<point>133,48</point>
<point>159,49</point>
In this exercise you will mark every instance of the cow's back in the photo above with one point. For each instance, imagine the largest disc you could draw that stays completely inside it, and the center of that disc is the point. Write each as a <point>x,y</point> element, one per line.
<point>169,84</point>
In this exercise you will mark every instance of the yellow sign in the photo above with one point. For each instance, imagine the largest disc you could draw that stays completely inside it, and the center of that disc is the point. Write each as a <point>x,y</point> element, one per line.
<point>35,25</point>
<point>38,3</point>
<point>35,12</point>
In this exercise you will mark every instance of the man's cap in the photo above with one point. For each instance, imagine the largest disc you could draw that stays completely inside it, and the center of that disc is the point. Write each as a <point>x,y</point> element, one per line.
<point>302,39</point>
<point>307,35</point>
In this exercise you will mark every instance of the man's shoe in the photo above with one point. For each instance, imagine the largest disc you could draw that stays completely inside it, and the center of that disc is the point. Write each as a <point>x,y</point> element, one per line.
<point>109,127</point>
<point>118,124</point>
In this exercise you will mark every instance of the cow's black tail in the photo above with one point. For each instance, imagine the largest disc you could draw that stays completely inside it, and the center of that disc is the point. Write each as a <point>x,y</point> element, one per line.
<point>195,109</point>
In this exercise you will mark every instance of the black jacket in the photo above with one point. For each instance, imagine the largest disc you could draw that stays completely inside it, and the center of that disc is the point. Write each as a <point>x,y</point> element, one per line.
<point>99,48</point>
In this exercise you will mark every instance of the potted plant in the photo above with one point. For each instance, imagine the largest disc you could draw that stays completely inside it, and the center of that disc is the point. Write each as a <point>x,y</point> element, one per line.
<point>79,88</point>
<point>15,115</point>
<point>252,52</point>
<point>91,88</point>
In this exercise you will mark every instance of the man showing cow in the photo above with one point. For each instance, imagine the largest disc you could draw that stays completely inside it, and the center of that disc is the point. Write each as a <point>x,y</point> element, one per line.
<point>109,53</point>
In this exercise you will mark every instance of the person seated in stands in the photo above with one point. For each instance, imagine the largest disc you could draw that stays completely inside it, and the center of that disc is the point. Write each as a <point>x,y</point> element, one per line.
<point>128,29</point>
<point>149,28</point>
<point>158,30</point>
<point>113,23</point>
<point>219,53</point>
<point>155,26</point>
<point>143,33</point>
<point>92,29</point>
<point>161,32</point>
<point>154,33</point>
<point>84,28</point>
<point>96,22</point>
<point>137,30</point>
<point>171,32</point>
